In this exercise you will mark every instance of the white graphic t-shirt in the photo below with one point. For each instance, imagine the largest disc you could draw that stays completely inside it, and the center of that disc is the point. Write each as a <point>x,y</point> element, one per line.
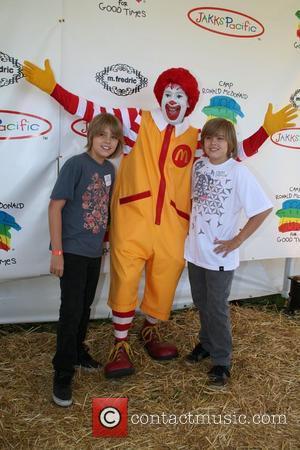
<point>219,194</point>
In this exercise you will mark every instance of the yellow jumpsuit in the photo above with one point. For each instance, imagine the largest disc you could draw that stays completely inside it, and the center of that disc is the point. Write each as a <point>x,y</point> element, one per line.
<point>150,205</point>
<point>149,218</point>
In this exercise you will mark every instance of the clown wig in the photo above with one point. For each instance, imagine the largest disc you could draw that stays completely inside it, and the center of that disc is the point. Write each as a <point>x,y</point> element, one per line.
<point>184,79</point>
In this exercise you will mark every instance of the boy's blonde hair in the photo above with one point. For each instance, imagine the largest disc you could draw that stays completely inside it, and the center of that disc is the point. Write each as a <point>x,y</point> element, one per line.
<point>214,126</point>
<point>97,126</point>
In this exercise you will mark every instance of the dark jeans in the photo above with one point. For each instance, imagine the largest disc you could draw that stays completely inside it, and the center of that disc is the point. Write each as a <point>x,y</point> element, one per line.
<point>210,292</point>
<point>78,286</point>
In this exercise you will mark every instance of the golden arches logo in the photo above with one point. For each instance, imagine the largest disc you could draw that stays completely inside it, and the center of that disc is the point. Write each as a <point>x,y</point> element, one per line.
<point>182,155</point>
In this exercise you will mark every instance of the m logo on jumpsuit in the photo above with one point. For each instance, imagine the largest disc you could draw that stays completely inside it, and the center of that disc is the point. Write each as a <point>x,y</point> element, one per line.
<point>182,155</point>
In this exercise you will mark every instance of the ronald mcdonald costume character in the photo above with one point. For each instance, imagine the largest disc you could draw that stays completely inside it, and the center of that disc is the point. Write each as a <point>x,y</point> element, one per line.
<point>151,200</point>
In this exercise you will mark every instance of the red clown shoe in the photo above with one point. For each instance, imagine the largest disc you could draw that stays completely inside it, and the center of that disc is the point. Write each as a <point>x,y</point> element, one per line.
<point>155,347</point>
<point>119,363</point>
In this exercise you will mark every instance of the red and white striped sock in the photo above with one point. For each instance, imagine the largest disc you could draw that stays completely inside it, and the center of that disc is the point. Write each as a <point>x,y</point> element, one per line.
<point>122,322</point>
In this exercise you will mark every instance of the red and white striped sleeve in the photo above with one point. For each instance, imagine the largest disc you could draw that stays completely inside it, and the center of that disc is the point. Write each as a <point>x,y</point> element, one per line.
<point>199,151</point>
<point>251,145</point>
<point>86,109</point>
<point>248,147</point>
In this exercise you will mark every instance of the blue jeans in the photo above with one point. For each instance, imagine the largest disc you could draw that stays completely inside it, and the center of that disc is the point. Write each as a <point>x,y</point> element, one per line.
<point>210,291</point>
<point>78,287</point>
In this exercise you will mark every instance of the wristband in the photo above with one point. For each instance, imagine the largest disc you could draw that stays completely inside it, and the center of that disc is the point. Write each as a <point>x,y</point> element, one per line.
<point>57,252</point>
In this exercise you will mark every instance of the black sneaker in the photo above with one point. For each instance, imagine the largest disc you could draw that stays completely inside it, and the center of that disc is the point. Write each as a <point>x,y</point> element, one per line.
<point>62,389</point>
<point>218,376</point>
<point>86,362</point>
<point>196,355</point>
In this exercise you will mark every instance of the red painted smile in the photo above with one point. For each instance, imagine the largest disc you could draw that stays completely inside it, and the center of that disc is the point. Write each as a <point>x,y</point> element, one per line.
<point>172,111</point>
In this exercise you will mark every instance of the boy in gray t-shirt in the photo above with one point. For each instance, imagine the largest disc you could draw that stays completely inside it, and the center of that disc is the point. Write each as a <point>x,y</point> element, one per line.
<point>78,218</point>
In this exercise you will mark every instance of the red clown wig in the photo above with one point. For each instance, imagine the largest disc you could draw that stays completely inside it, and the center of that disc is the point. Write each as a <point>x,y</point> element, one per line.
<point>184,79</point>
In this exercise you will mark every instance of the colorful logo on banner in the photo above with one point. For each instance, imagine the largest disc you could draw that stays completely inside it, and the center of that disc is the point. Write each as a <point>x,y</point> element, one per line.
<point>297,42</point>
<point>124,8</point>
<point>297,14</point>
<point>20,125</point>
<point>6,223</point>
<point>226,22</point>
<point>121,79</point>
<point>223,106</point>
<point>10,70</point>
<point>289,216</point>
<point>289,138</point>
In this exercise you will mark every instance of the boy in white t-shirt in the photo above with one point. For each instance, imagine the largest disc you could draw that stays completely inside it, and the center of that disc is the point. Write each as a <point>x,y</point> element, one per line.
<point>221,189</point>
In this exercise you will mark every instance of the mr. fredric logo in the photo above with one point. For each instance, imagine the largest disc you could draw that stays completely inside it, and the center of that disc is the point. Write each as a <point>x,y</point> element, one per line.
<point>121,79</point>
<point>10,70</point>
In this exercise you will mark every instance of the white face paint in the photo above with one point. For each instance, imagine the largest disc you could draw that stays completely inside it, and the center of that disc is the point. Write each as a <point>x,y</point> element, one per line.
<point>174,104</point>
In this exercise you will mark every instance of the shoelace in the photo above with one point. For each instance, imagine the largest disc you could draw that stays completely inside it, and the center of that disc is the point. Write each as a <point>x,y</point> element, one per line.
<point>119,346</point>
<point>151,333</point>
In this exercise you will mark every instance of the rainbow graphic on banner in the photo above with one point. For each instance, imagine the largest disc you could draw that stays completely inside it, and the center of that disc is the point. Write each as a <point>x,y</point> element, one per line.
<point>289,216</point>
<point>297,14</point>
<point>224,107</point>
<point>6,223</point>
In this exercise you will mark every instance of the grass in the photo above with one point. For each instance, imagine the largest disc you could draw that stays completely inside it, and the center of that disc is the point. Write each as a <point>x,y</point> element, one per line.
<point>264,381</point>
<point>267,303</point>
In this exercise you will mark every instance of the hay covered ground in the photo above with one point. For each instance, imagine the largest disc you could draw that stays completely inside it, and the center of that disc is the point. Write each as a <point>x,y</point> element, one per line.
<point>265,387</point>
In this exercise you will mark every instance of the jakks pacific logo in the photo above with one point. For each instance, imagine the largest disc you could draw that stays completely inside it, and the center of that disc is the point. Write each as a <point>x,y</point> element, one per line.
<point>289,137</point>
<point>121,79</point>
<point>19,125</point>
<point>226,22</point>
<point>79,126</point>
<point>10,70</point>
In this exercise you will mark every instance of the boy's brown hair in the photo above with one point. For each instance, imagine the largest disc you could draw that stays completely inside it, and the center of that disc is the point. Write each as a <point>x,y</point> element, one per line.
<point>215,126</point>
<point>96,127</point>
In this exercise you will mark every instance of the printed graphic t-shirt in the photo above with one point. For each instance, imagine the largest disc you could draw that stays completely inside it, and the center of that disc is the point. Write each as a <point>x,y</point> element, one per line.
<point>86,186</point>
<point>219,194</point>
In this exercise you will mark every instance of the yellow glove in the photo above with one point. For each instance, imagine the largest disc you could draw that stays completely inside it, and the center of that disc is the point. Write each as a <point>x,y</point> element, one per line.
<point>279,120</point>
<point>42,78</point>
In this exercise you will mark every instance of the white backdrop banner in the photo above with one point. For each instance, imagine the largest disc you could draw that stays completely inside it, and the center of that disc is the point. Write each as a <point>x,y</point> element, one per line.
<point>112,52</point>
<point>29,138</point>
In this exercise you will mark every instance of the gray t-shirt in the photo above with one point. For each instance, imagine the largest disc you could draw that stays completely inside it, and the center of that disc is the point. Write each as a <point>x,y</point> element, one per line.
<point>86,186</point>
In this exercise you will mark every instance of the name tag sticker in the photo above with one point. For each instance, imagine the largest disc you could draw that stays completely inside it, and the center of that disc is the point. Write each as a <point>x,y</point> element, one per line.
<point>107,179</point>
